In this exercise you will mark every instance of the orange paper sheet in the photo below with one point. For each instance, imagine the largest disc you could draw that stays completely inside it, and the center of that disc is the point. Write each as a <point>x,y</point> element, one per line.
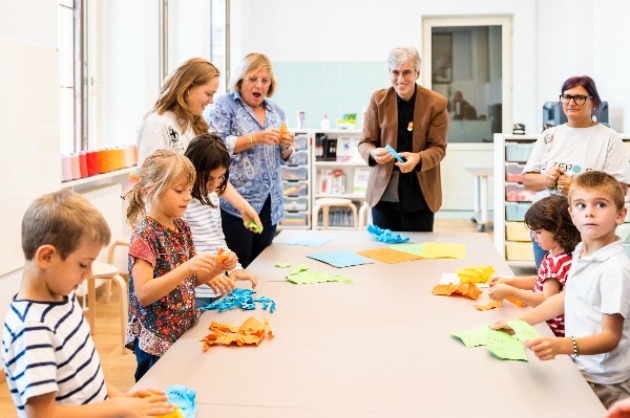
<point>251,332</point>
<point>387,255</point>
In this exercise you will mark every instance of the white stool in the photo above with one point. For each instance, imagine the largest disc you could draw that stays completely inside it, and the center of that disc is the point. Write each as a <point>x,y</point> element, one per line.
<point>363,215</point>
<point>326,203</point>
<point>109,272</point>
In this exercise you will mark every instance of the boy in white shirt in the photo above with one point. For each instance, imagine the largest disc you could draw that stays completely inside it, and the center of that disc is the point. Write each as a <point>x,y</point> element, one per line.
<point>596,300</point>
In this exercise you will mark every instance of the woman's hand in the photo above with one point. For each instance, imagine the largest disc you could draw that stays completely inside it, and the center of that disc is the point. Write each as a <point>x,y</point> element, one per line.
<point>564,182</point>
<point>287,139</point>
<point>381,156</point>
<point>270,136</point>
<point>552,176</point>
<point>412,161</point>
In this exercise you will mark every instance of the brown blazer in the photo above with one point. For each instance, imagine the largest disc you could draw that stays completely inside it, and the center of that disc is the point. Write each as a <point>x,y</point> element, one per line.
<point>430,124</point>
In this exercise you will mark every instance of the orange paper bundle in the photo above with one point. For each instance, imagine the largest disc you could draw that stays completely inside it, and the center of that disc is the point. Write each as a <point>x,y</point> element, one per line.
<point>222,256</point>
<point>283,130</point>
<point>516,302</point>
<point>251,332</point>
<point>468,289</point>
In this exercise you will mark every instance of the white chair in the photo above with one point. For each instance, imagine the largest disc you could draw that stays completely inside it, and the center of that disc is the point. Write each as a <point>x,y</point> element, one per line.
<point>108,272</point>
<point>326,203</point>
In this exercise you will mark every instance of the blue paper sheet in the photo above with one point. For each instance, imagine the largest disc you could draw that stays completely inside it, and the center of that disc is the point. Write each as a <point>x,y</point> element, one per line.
<point>385,235</point>
<point>341,258</point>
<point>184,398</point>
<point>308,240</point>
<point>241,298</point>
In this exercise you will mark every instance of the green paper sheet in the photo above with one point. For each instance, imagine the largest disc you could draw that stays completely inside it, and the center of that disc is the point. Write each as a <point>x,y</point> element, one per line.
<point>473,337</point>
<point>311,277</point>
<point>522,330</point>
<point>282,265</point>
<point>505,346</point>
<point>415,249</point>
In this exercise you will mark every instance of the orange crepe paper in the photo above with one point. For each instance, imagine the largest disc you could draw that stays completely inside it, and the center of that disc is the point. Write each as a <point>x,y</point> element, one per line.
<point>470,290</point>
<point>222,256</point>
<point>283,130</point>
<point>251,332</point>
<point>493,304</point>
<point>516,302</point>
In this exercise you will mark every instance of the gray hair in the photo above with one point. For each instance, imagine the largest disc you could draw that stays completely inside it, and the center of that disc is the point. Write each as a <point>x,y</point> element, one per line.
<point>401,54</point>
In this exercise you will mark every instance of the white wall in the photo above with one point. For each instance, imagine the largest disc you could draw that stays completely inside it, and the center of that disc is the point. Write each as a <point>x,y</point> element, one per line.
<point>29,116</point>
<point>552,40</point>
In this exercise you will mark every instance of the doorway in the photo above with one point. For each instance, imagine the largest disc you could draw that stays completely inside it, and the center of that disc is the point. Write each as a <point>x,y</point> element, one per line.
<point>468,60</point>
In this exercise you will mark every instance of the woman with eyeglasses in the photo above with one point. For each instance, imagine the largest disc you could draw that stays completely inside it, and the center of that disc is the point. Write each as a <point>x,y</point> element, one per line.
<point>252,128</point>
<point>582,144</point>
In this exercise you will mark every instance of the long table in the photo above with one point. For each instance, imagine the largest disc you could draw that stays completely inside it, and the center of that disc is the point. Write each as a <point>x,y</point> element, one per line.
<point>380,347</point>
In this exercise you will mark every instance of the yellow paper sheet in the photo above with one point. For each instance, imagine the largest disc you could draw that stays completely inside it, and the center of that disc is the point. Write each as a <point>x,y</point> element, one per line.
<point>443,250</point>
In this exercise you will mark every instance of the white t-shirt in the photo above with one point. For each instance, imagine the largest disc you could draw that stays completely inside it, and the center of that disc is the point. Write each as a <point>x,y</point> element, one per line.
<point>162,131</point>
<point>578,150</point>
<point>599,284</point>
<point>207,232</point>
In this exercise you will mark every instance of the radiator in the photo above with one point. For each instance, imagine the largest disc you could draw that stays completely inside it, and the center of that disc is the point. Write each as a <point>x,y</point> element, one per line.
<point>106,199</point>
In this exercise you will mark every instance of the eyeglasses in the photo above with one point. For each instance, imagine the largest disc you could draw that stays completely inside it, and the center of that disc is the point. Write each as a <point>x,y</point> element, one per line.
<point>578,99</point>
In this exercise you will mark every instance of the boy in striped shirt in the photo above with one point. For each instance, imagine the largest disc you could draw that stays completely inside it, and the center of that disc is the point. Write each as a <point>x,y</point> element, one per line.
<point>50,362</point>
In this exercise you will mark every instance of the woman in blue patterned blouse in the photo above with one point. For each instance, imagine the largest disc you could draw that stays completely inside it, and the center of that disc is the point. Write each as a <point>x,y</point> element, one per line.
<point>250,125</point>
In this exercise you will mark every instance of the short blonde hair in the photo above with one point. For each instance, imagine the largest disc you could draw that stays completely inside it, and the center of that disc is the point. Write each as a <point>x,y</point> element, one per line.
<point>65,220</point>
<point>598,180</point>
<point>252,63</point>
<point>159,172</point>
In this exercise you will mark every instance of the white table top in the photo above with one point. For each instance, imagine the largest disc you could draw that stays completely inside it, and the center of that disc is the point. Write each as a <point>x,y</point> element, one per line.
<point>380,347</point>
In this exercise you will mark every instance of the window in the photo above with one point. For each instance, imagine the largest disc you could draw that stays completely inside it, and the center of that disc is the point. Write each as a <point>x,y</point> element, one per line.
<point>110,53</point>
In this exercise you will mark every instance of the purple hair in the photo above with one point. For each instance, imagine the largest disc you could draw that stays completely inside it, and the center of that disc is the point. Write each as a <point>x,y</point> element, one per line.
<point>588,84</point>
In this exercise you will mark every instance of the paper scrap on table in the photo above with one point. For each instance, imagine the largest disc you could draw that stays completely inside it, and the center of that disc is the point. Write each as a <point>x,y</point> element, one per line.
<point>522,330</point>
<point>493,304</point>
<point>473,337</point>
<point>505,346</point>
<point>470,290</point>
<point>184,398</point>
<point>443,250</point>
<point>241,298</point>
<point>307,239</point>
<point>453,278</point>
<point>388,255</point>
<point>340,258</point>
<point>475,274</point>
<point>409,248</point>
<point>250,332</point>
<point>385,235</point>
<point>282,265</point>
<point>311,277</point>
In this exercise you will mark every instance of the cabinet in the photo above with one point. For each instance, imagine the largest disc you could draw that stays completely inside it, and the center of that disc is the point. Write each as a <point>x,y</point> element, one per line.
<point>296,184</point>
<point>511,200</point>
<point>337,170</point>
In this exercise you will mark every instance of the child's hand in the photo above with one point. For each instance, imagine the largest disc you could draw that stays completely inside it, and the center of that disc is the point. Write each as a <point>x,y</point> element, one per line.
<point>229,261</point>
<point>501,324</point>
<point>201,264</point>
<point>500,291</point>
<point>143,393</point>
<point>222,284</point>
<point>499,279</point>
<point>545,348</point>
<point>150,406</point>
<point>244,275</point>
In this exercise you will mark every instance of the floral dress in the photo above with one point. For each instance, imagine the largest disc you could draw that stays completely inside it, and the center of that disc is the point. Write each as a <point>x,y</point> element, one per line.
<point>158,325</point>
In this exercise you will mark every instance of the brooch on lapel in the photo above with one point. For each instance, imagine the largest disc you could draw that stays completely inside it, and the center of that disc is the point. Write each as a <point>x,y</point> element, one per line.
<point>410,126</point>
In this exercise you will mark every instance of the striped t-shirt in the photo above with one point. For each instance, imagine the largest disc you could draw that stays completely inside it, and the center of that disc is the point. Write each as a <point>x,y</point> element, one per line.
<point>47,347</point>
<point>554,267</point>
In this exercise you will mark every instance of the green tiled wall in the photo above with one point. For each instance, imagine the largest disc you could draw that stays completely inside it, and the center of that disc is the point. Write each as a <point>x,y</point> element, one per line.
<point>326,87</point>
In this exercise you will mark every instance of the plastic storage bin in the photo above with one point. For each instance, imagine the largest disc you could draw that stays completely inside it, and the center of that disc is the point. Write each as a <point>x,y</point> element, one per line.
<point>514,171</point>
<point>298,158</point>
<point>516,192</point>
<point>518,152</point>
<point>294,173</point>
<point>301,142</point>
<point>295,219</point>
<point>295,188</point>
<point>517,231</point>
<point>295,204</point>
<point>519,251</point>
<point>515,211</point>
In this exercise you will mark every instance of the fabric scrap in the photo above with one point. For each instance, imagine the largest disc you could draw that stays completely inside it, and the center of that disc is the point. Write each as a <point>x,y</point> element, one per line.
<point>385,235</point>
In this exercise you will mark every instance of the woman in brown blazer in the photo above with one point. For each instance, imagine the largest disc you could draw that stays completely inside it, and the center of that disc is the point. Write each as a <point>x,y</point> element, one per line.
<point>404,196</point>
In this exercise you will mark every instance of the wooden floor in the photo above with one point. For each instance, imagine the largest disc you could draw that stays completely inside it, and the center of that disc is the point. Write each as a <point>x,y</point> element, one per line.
<point>119,368</point>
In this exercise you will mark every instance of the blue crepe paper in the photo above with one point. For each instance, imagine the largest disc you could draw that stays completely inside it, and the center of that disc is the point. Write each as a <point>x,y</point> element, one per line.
<point>385,235</point>
<point>241,298</point>
<point>340,258</point>
<point>184,398</point>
